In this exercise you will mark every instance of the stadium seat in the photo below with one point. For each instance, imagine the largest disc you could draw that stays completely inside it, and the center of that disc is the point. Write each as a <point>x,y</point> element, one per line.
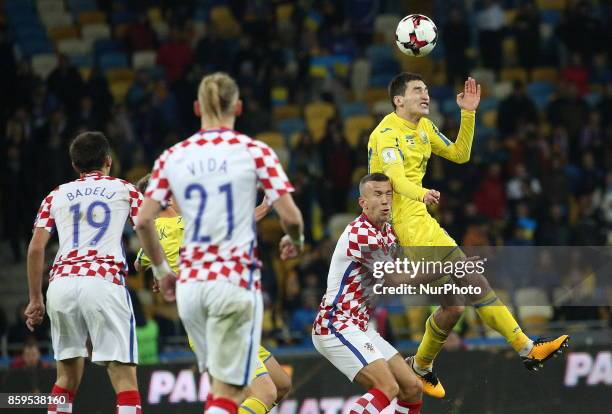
<point>223,22</point>
<point>510,15</point>
<point>155,14</point>
<point>113,60</point>
<point>320,110</point>
<point>360,77</point>
<point>540,89</point>
<point>373,95</point>
<point>284,12</point>
<point>119,75</point>
<point>85,73</point>
<point>93,32</point>
<point>92,17</point>
<point>509,47</point>
<point>485,77</point>
<point>103,46</point>
<point>144,59</point>
<point>279,95</point>
<point>119,90</point>
<point>35,47</point>
<point>545,74</point>
<point>161,29</point>
<point>49,7</point>
<point>82,61</point>
<point>382,107</point>
<point>513,74</point>
<point>63,33</point>
<point>487,104</point>
<point>386,25</point>
<point>290,126</point>
<point>43,64</point>
<point>56,19</point>
<point>489,118</point>
<point>79,6</point>
<point>74,47</point>
<point>552,4</point>
<point>337,224</point>
<point>551,17</point>
<point>353,108</point>
<point>317,127</point>
<point>533,306</point>
<point>285,112</point>
<point>273,139</point>
<point>502,89</point>
<point>355,125</point>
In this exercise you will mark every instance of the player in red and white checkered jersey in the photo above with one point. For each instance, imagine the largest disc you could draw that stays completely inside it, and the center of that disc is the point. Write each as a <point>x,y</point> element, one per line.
<point>87,296</point>
<point>341,332</point>
<point>213,177</point>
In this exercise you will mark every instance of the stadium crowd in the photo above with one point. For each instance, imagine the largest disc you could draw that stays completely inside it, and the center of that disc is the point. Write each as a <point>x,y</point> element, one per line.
<point>313,77</point>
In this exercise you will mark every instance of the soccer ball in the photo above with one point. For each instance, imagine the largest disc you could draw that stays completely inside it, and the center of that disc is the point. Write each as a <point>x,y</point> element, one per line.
<point>416,35</point>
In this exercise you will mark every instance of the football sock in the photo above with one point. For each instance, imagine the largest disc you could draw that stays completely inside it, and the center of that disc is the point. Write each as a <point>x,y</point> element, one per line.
<point>404,407</point>
<point>208,402</point>
<point>431,344</point>
<point>497,316</point>
<point>220,405</point>
<point>65,408</point>
<point>372,402</point>
<point>253,405</point>
<point>128,402</point>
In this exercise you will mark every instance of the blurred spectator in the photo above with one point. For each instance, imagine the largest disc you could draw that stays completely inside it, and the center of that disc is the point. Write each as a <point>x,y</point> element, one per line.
<point>338,160</point>
<point>522,185</point>
<point>456,40</point>
<point>527,34</point>
<point>516,110</point>
<point>555,230</point>
<point>568,109</point>
<point>588,229</point>
<point>18,333</point>
<point>175,54</point>
<point>140,35</point>
<point>585,38</point>
<point>97,88</point>
<point>66,84</point>
<point>490,22</point>
<point>490,198</point>
<point>576,74</point>
<point>601,74</point>
<point>29,357</point>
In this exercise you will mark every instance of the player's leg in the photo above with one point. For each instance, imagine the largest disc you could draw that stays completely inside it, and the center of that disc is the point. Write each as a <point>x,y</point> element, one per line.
<point>351,351</point>
<point>107,309</point>
<point>282,380</point>
<point>409,397</point>
<point>69,338</point>
<point>262,391</point>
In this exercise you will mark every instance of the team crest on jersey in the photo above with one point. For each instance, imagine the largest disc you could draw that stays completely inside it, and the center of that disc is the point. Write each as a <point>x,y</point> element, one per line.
<point>368,346</point>
<point>410,140</point>
<point>424,137</point>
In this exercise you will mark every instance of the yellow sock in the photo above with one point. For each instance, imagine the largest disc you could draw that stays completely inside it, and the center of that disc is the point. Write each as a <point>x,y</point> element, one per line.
<point>431,344</point>
<point>253,405</point>
<point>497,316</point>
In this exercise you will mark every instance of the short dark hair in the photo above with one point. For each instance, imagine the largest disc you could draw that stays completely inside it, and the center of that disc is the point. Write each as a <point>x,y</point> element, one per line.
<point>397,86</point>
<point>143,183</point>
<point>378,177</point>
<point>89,150</point>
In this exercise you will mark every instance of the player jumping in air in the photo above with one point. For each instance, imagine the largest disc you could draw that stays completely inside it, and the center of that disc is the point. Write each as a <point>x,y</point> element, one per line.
<point>400,147</point>
<point>87,294</point>
<point>341,332</point>
<point>213,177</point>
<point>270,381</point>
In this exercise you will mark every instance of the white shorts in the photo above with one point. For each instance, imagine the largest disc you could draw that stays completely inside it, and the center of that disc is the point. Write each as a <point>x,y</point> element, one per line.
<point>224,322</point>
<point>83,306</point>
<point>351,349</point>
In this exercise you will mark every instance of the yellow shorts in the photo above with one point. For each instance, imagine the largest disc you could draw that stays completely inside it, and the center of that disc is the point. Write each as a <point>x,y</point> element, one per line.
<point>422,237</point>
<point>263,355</point>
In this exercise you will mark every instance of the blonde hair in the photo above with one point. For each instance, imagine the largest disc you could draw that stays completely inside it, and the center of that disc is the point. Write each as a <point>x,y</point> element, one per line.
<point>217,94</point>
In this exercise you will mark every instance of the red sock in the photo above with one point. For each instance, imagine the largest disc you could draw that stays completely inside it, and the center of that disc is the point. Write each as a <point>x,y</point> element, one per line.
<point>128,402</point>
<point>404,407</point>
<point>65,408</point>
<point>220,405</point>
<point>208,402</point>
<point>372,402</point>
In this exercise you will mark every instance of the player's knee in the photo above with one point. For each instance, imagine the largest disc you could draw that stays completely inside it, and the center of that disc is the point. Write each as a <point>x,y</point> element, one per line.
<point>265,390</point>
<point>411,390</point>
<point>390,389</point>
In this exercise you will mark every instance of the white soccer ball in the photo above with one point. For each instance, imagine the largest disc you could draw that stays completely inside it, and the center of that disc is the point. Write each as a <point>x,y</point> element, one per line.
<point>416,35</point>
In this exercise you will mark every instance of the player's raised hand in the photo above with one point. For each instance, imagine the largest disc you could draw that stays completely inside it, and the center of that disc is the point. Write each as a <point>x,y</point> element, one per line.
<point>35,312</point>
<point>431,197</point>
<point>470,97</point>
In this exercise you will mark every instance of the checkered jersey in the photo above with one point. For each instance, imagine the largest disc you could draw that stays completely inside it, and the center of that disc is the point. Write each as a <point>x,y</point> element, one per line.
<point>214,176</point>
<point>348,299</point>
<point>89,215</point>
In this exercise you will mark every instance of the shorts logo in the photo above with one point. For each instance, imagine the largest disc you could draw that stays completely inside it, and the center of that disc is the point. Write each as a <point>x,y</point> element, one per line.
<point>388,155</point>
<point>368,346</point>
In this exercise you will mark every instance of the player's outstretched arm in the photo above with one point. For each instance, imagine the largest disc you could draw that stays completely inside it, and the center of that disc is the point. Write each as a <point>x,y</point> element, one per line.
<point>35,310</point>
<point>402,185</point>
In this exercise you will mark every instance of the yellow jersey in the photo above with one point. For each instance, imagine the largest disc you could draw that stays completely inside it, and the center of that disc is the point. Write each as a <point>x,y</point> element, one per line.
<point>401,149</point>
<point>170,232</point>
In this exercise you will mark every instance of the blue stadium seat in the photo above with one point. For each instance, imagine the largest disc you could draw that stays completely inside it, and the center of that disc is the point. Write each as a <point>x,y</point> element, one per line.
<point>123,17</point>
<point>287,127</point>
<point>448,106</point>
<point>441,93</point>
<point>36,47</point>
<point>593,98</point>
<point>78,6</point>
<point>353,108</point>
<point>114,60</point>
<point>104,46</point>
<point>82,61</point>
<point>551,17</point>
<point>487,104</point>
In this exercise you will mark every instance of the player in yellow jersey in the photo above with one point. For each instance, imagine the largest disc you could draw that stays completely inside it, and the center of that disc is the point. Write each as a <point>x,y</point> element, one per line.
<point>400,147</point>
<point>270,381</point>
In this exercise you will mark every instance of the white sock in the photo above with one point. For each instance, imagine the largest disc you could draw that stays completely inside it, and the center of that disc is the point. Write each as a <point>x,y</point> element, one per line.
<point>525,350</point>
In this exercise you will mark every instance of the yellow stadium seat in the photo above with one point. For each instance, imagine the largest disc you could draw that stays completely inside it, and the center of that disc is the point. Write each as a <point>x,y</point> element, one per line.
<point>286,112</point>
<point>284,12</point>
<point>155,14</point>
<point>273,139</point>
<point>120,75</point>
<point>321,110</point>
<point>552,4</point>
<point>545,74</point>
<point>374,95</point>
<point>512,74</point>
<point>509,46</point>
<point>489,119</point>
<point>354,125</point>
<point>510,15</point>
<point>223,22</point>
<point>316,127</point>
<point>85,73</point>
<point>63,33</point>
<point>91,17</point>
<point>119,90</point>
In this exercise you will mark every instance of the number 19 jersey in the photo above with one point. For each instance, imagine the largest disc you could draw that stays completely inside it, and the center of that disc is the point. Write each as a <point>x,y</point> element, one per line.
<point>89,215</point>
<point>214,176</point>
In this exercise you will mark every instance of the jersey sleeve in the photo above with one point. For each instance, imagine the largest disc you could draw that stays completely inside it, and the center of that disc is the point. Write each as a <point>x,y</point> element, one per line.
<point>458,151</point>
<point>159,186</point>
<point>269,170</point>
<point>136,199</point>
<point>44,217</point>
<point>364,247</point>
<point>143,259</point>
